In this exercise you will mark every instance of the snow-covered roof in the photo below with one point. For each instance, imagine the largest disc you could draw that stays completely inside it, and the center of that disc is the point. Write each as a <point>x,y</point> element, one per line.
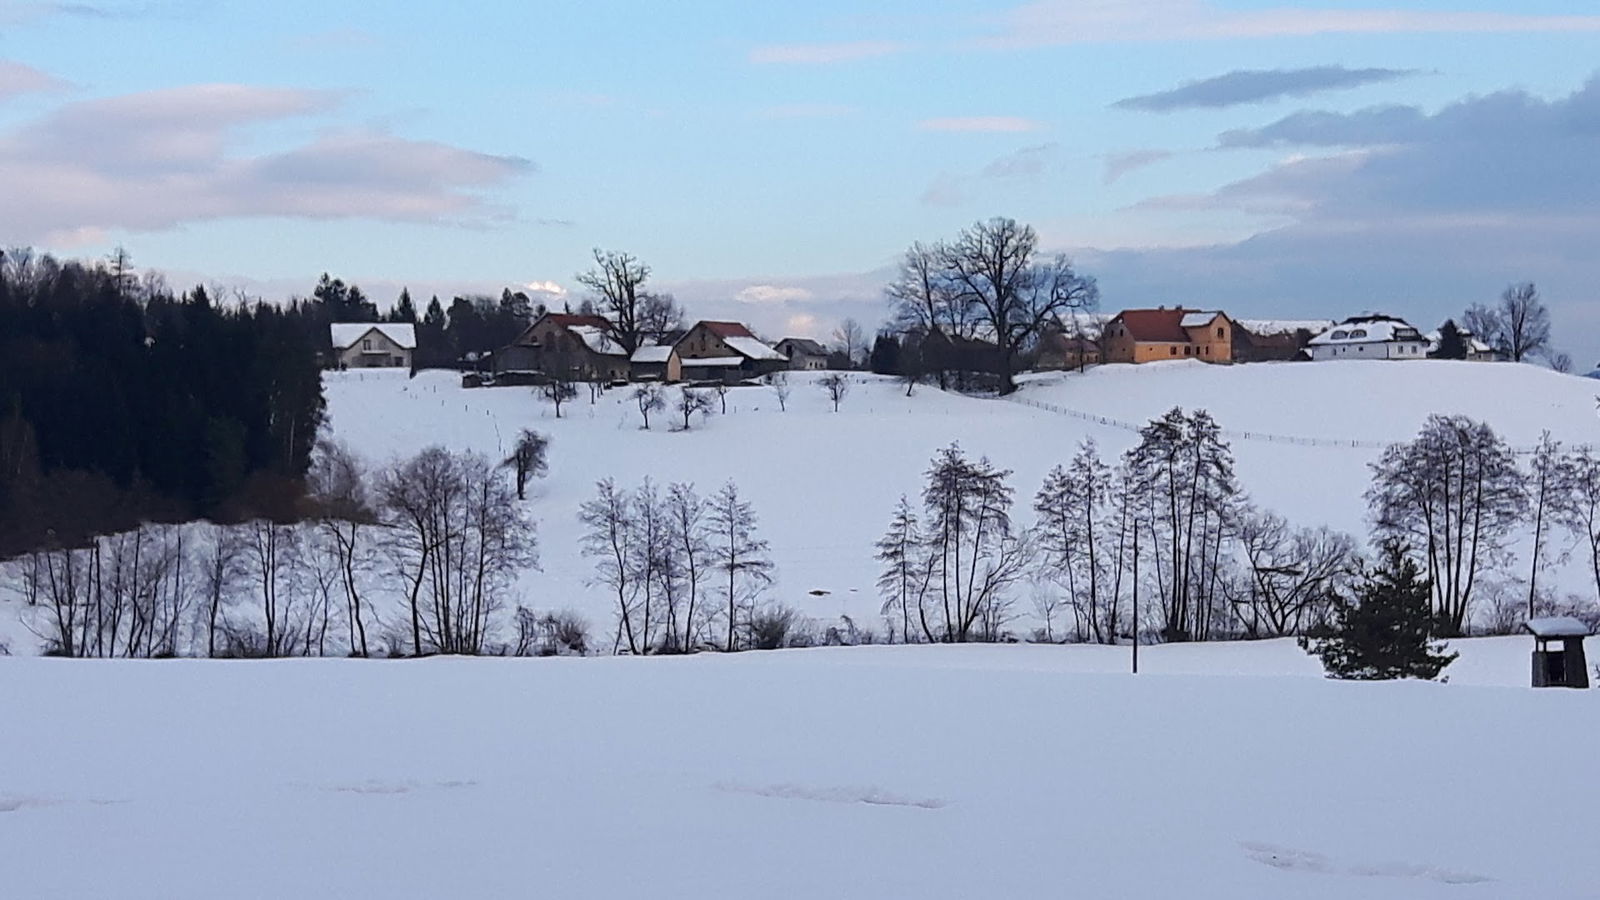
<point>1380,331</point>
<point>713,361</point>
<point>1198,319</point>
<point>752,348</point>
<point>598,340</point>
<point>1557,626</point>
<point>345,334</point>
<point>804,345</point>
<point>1473,344</point>
<point>1284,326</point>
<point>653,353</point>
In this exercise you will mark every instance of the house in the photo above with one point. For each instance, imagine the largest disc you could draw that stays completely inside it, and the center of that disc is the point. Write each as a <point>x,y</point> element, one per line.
<point>1477,350</point>
<point>369,345</point>
<point>1275,340</point>
<point>1371,336</point>
<point>575,347</point>
<point>803,353</point>
<point>1153,335</point>
<point>656,362</point>
<point>725,351</point>
<point>1061,351</point>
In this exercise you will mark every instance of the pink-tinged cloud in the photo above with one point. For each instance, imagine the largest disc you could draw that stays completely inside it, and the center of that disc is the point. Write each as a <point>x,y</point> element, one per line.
<point>822,54</point>
<point>162,158</point>
<point>1052,22</point>
<point>1002,124</point>
<point>17,79</point>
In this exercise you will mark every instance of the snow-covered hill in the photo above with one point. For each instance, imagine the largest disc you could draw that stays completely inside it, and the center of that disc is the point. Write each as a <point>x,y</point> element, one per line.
<point>929,772</point>
<point>824,483</point>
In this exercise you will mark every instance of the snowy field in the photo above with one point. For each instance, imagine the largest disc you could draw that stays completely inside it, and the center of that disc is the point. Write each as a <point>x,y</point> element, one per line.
<point>824,484</point>
<point>961,772</point>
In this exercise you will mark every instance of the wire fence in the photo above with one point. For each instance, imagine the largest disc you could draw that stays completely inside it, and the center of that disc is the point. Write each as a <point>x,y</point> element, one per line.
<point>1264,437</point>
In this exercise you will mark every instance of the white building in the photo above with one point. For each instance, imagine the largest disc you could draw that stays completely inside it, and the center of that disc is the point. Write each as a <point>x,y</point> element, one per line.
<point>1369,337</point>
<point>365,345</point>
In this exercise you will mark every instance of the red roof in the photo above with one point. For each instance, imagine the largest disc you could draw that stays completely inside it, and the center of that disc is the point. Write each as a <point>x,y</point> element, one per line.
<point>567,320</point>
<point>727,329</point>
<point>1164,325</point>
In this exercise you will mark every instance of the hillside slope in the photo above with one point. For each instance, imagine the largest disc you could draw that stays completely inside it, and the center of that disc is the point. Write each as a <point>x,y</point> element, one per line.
<point>824,483</point>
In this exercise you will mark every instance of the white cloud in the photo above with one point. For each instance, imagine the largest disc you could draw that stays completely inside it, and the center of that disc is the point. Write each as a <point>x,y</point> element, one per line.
<point>1051,22</point>
<point>1120,164</point>
<point>771,293</point>
<point>545,287</point>
<point>17,79</point>
<point>157,159</point>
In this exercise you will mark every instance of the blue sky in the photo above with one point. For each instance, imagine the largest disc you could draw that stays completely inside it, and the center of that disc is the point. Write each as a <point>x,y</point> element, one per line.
<point>771,163</point>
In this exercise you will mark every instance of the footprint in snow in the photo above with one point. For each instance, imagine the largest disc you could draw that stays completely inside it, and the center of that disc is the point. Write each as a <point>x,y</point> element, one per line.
<point>1292,860</point>
<point>868,795</point>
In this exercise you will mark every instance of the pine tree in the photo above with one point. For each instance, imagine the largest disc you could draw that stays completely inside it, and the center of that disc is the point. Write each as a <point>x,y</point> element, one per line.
<point>404,309</point>
<point>1386,633</point>
<point>1451,344</point>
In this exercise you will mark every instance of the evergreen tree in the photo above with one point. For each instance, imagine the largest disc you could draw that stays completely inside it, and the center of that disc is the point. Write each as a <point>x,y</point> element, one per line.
<point>885,357</point>
<point>404,309</point>
<point>1386,633</point>
<point>1451,344</point>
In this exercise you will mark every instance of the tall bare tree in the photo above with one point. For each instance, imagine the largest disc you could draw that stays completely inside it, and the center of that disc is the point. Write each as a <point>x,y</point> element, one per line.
<point>617,280</point>
<point>1453,494</point>
<point>851,341</point>
<point>1524,322</point>
<point>739,555</point>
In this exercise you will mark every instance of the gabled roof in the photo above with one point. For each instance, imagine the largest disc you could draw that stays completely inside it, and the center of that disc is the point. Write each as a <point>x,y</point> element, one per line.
<point>567,320</point>
<point>346,334</point>
<point>727,329</point>
<point>805,345</point>
<point>598,339</point>
<point>1158,325</point>
<point>1200,318</point>
<point>653,353</point>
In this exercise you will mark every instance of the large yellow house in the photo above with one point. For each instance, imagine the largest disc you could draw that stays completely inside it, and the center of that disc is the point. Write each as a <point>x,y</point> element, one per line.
<point>1152,335</point>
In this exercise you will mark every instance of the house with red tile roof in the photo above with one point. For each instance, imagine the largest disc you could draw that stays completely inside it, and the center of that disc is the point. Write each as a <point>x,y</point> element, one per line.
<point>1153,335</point>
<point>725,351</point>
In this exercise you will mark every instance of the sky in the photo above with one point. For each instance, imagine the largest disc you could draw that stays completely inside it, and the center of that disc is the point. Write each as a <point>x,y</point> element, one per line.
<point>771,162</point>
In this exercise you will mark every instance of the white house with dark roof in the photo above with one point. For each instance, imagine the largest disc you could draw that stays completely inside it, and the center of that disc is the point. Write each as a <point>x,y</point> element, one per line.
<point>371,345</point>
<point>1369,337</point>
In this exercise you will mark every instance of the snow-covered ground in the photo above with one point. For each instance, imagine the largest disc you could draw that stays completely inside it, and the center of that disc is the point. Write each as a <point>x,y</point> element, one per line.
<point>961,772</point>
<point>824,484</point>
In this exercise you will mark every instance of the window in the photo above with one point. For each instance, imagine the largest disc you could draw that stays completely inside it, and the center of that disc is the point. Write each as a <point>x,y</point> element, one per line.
<point>1219,332</point>
<point>1359,333</point>
<point>1174,350</point>
<point>366,344</point>
<point>1187,350</point>
<point>1340,335</point>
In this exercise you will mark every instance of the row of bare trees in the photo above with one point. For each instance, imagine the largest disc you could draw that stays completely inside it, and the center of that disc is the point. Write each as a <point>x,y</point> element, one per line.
<point>1169,520</point>
<point>686,572</point>
<point>440,532</point>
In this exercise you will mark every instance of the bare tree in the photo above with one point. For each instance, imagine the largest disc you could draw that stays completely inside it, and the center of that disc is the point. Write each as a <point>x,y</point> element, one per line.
<point>779,382</point>
<point>1582,516</point>
<point>993,273</point>
<point>836,385</point>
<point>659,316</point>
<point>721,390</point>
<point>1181,480</point>
<point>651,397</point>
<point>1524,322</point>
<point>1560,361</point>
<point>1295,575</point>
<point>617,281</point>
<point>686,564</point>
<point>221,569</point>
<point>343,511</point>
<point>1552,492</point>
<point>528,459</point>
<point>691,401</point>
<point>611,540</point>
<point>907,573</point>
<point>851,340</point>
<point>1075,514</point>
<point>1454,494</point>
<point>974,554</point>
<point>558,390</point>
<point>737,554</point>
<point>458,538</point>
